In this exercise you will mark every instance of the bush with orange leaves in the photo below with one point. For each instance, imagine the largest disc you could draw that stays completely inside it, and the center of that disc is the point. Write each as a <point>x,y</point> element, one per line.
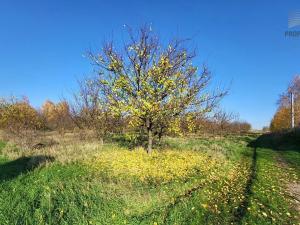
<point>19,120</point>
<point>57,116</point>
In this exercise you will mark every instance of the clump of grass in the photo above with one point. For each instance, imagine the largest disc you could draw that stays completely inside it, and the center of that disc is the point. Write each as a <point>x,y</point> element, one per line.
<point>230,147</point>
<point>57,195</point>
<point>293,159</point>
<point>2,145</point>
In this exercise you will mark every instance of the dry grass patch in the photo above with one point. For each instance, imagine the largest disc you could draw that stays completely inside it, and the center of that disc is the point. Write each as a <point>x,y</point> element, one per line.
<point>63,153</point>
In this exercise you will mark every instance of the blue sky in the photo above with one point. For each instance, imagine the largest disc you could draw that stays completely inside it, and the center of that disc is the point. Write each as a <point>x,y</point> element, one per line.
<point>42,45</point>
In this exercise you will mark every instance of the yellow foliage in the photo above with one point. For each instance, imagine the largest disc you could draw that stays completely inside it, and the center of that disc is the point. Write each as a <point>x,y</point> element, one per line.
<point>281,119</point>
<point>56,115</point>
<point>158,167</point>
<point>19,115</point>
<point>174,127</point>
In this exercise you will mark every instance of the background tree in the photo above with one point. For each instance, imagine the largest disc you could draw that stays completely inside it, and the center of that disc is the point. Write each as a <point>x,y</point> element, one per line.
<point>282,117</point>
<point>90,110</point>
<point>238,127</point>
<point>19,120</point>
<point>294,88</point>
<point>223,120</point>
<point>152,83</point>
<point>57,116</point>
<point>17,115</point>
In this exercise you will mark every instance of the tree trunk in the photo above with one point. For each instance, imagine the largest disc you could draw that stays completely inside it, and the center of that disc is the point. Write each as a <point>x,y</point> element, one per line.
<point>160,135</point>
<point>150,136</point>
<point>150,139</point>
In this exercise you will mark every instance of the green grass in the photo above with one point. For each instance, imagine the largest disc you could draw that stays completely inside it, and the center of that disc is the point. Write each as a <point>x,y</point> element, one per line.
<point>231,147</point>
<point>293,159</point>
<point>2,158</point>
<point>277,166</point>
<point>268,200</point>
<point>77,192</point>
<point>2,145</point>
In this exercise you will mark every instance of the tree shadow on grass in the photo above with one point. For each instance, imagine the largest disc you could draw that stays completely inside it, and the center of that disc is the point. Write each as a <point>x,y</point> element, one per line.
<point>129,141</point>
<point>279,141</point>
<point>12,169</point>
<point>241,211</point>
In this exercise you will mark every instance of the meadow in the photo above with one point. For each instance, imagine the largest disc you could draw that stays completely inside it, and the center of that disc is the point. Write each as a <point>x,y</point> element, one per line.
<point>191,180</point>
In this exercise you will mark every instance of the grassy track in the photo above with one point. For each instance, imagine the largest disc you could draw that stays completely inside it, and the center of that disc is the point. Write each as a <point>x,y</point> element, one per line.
<point>197,181</point>
<point>277,166</point>
<point>268,201</point>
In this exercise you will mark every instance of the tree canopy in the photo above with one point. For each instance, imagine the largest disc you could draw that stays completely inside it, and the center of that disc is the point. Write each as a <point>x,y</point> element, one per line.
<point>151,83</point>
<point>282,118</point>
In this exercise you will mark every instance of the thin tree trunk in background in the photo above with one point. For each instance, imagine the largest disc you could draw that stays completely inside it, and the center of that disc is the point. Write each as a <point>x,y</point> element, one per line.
<point>150,139</point>
<point>159,138</point>
<point>160,135</point>
<point>292,111</point>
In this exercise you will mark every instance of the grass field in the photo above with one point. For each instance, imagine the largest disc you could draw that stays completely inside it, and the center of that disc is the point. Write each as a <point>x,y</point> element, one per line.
<point>225,180</point>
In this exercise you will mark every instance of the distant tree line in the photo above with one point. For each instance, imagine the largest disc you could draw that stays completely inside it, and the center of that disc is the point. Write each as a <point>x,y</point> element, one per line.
<point>19,120</point>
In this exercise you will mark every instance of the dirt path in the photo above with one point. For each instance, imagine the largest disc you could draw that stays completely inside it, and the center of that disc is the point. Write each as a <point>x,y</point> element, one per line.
<point>293,188</point>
